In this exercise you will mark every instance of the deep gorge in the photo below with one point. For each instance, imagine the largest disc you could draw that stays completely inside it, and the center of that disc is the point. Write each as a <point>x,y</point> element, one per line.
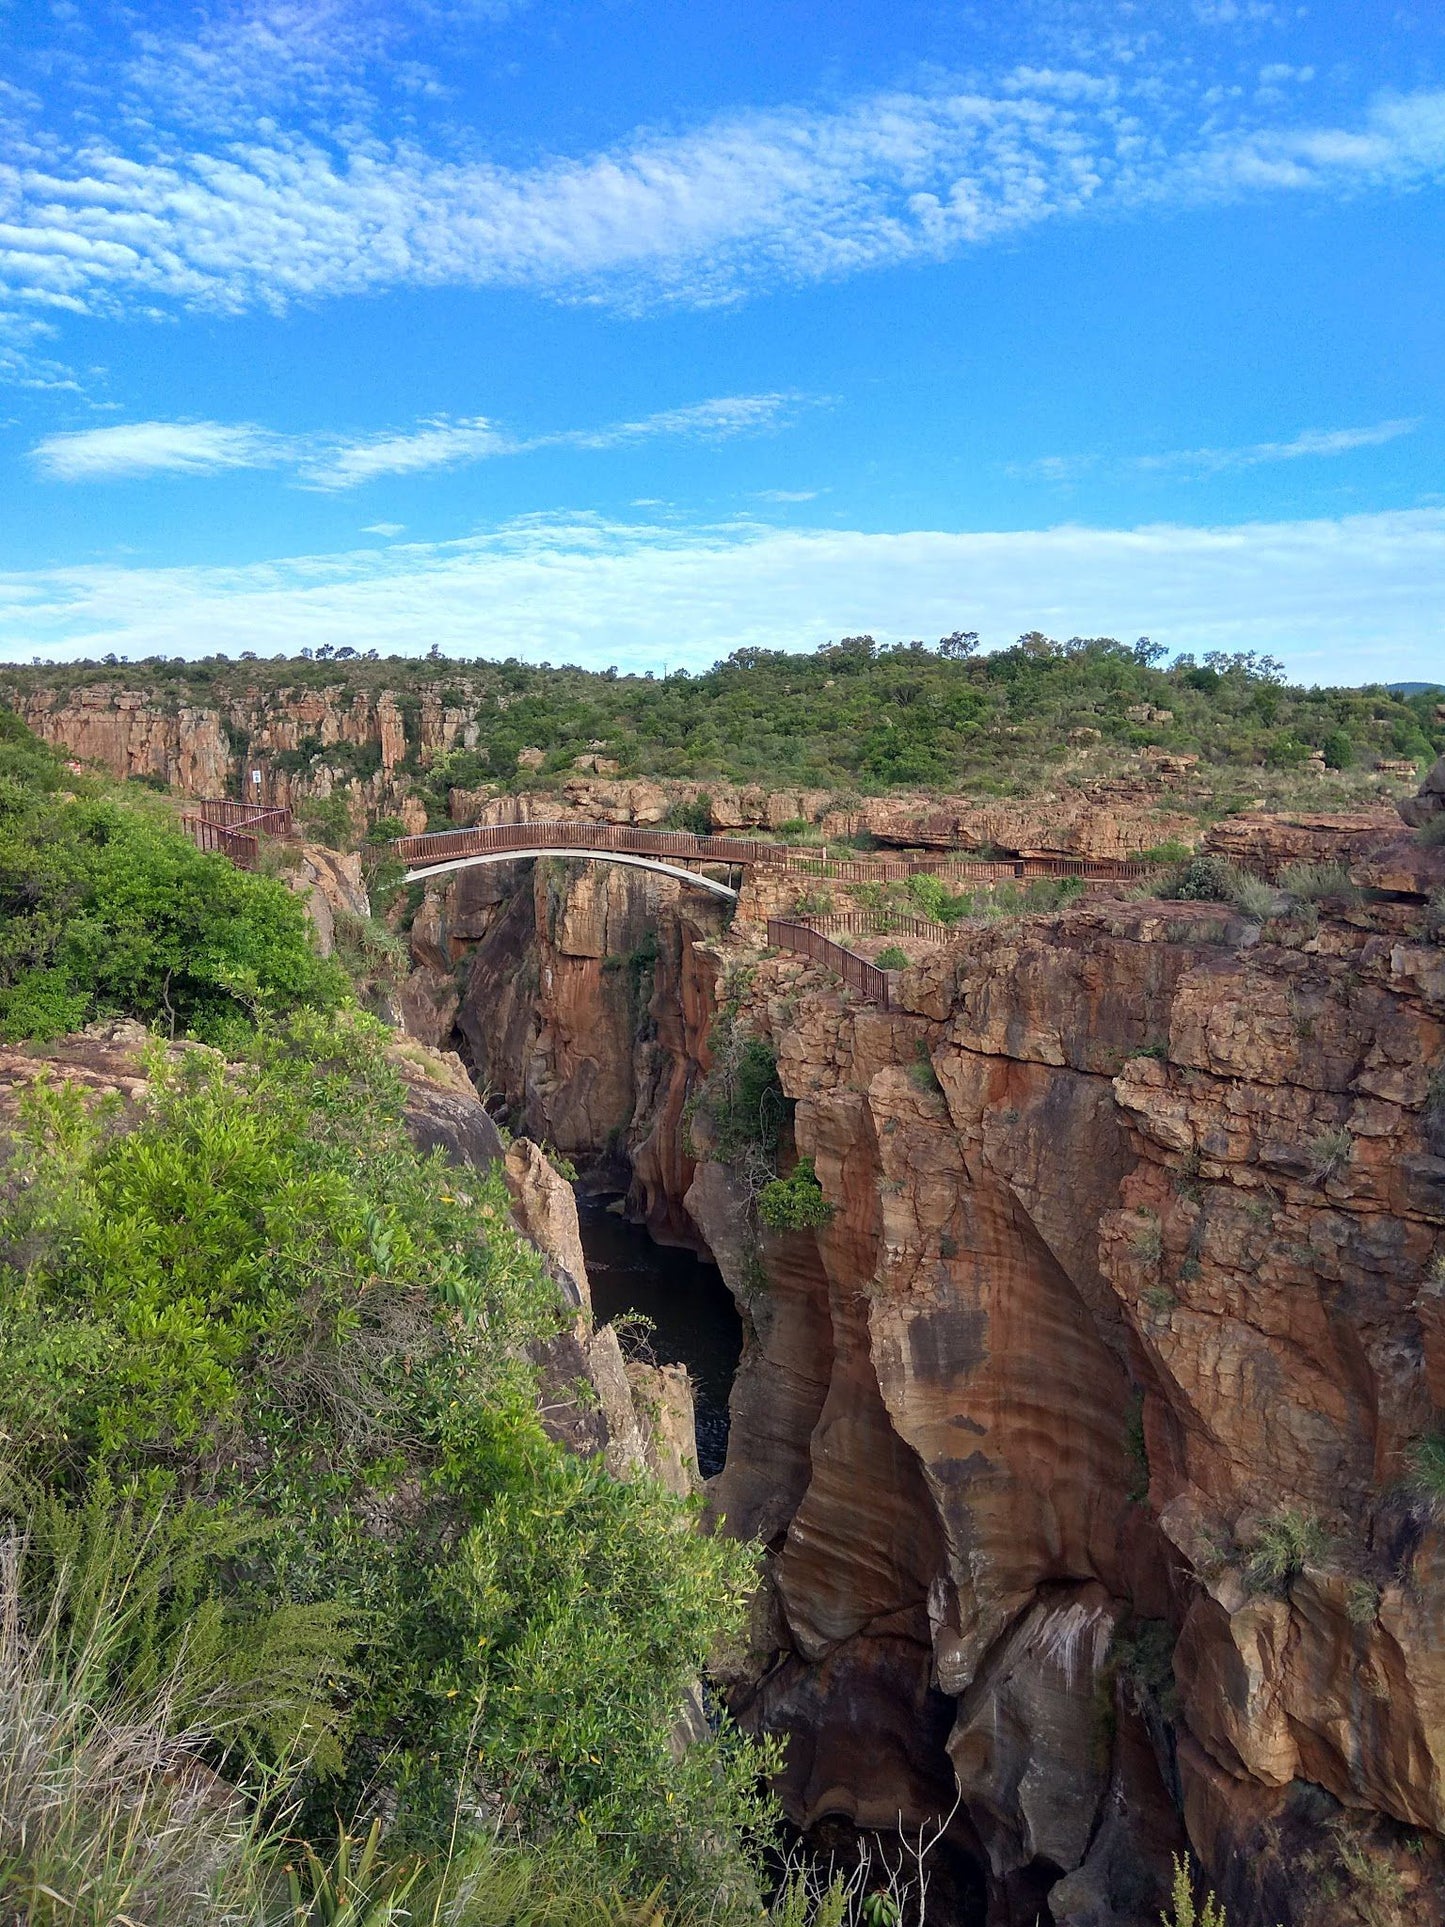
<point>1087,1319</point>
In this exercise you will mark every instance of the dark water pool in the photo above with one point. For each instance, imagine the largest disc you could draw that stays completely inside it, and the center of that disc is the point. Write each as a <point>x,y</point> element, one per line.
<point>695,1320</point>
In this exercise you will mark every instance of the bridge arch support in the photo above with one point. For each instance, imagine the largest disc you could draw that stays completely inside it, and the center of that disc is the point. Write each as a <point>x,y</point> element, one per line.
<point>633,861</point>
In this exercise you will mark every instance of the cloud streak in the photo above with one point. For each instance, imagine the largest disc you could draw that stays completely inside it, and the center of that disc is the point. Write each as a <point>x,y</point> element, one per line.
<point>1309,443</point>
<point>752,198</point>
<point>128,450</point>
<point>1339,599</point>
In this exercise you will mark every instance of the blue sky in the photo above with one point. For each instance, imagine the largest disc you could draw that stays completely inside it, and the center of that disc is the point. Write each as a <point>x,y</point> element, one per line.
<point>636,332</point>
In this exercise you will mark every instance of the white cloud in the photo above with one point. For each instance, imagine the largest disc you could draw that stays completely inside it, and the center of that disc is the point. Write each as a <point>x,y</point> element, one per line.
<point>434,444</point>
<point>1338,599</point>
<point>156,448</point>
<point>1310,442</point>
<point>786,195</point>
<point>786,495</point>
<point>339,462</point>
<point>384,528</point>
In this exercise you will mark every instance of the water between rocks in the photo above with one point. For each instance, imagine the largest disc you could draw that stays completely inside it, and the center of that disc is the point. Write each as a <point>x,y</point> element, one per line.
<point>692,1311</point>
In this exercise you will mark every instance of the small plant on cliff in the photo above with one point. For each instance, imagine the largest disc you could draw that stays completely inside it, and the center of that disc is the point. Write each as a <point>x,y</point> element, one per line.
<point>795,1203</point>
<point>1185,1911</point>
<point>1284,1544</point>
<point>1435,911</point>
<point>694,815</point>
<point>1432,832</point>
<point>1328,1154</point>
<point>1256,899</point>
<point>891,957</point>
<point>1434,1110</point>
<point>1425,1469</point>
<point>1318,883</point>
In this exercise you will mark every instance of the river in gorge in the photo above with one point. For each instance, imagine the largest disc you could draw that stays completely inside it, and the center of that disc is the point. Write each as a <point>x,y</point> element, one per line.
<point>694,1320</point>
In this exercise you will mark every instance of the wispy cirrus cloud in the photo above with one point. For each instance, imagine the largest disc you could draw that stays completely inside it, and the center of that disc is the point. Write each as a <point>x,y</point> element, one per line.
<point>1340,599</point>
<point>751,198</point>
<point>134,449</point>
<point>1307,444</point>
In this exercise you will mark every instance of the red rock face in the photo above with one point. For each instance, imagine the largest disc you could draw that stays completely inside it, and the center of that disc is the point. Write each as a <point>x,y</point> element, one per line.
<point>1136,1252</point>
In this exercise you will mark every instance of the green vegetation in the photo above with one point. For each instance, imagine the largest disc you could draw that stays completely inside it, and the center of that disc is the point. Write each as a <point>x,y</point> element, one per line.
<point>1185,1912</point>
<point>795,1203</point>
<point>1284,1544</point>
<point>853,715</point>
<point>892,957</point>
<point>107,909</point>
<point>259,1332</point>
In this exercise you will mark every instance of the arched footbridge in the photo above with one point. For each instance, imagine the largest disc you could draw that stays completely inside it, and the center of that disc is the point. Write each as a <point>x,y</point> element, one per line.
<point>684,855</point>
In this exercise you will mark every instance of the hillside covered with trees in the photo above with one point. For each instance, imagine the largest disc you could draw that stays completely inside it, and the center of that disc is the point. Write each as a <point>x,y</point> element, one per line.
<point>851,715</point>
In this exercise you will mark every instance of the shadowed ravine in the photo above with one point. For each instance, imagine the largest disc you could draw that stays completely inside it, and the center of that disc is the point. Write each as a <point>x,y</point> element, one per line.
<point>695,1322</point>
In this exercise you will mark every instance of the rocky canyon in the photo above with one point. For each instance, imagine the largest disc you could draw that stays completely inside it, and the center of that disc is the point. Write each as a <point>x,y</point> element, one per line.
<point>1080,1436</point>
<point>1085,1431</point>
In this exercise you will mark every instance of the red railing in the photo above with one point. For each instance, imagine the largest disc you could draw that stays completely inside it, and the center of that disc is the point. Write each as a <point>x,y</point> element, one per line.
<point>880,923</point>
<point>242,848</point>
<point>857,972</point>
<point>233,830</point>
<point>229,815</point>
<point>440,846</point>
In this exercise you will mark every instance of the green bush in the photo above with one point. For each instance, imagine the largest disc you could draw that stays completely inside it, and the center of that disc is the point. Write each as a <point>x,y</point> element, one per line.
<point>1318,882</point>
<point>891,957</point>
<point>261,1301</point>
<point>1203,879</point>
<point>795,1203</point>
<point>1339,750</point>
<point>107,910</point>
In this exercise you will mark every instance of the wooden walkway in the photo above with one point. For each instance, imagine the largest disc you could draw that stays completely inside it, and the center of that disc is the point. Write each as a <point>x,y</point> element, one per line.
<point>234,830</point>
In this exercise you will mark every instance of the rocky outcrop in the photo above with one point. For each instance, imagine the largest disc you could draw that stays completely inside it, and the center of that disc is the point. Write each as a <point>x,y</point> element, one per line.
<point>1428,804</point>
<point>1265,843</point>
<point>329,881</point>
<point>1132,1275</point>
<point>1095,821</point>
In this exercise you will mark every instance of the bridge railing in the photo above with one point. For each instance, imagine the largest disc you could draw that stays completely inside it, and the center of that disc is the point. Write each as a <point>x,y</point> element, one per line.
<point>438,846</point>
<point>233,830</point>
<point>230,815</point>
<point>857,972</point>
<point>441,846</point>
<point>243,849</point>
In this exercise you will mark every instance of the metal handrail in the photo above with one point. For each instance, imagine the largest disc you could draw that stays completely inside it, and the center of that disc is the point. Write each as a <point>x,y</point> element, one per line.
<point>857,972</point>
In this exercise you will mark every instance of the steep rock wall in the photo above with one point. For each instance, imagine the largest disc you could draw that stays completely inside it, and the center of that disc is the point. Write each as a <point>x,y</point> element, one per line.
<point>1137,1252</point>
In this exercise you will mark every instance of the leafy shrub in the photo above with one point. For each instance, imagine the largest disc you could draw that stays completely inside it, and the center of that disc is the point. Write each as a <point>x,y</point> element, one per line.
<point>695,816</point>
<point>891,957</point>
<point>263,1295</point>
<point>1339,750</point>
<point>1286,1542</point>
<point>741,1097</point>
<point>106,910</point>
<point>1185,1912</point>
<point>1431,833</point>
<point>795,1203</point>
<point>1203,879</point>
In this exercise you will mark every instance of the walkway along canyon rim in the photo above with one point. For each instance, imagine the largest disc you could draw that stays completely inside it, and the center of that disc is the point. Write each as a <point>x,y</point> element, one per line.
<point>1079,1432</point>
